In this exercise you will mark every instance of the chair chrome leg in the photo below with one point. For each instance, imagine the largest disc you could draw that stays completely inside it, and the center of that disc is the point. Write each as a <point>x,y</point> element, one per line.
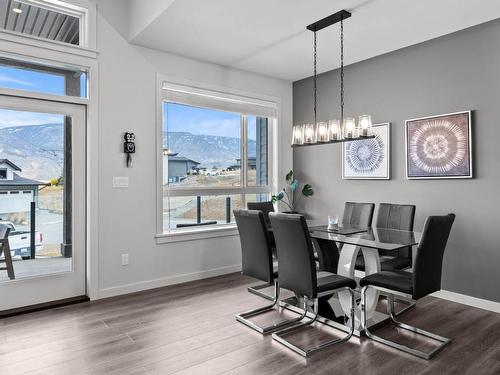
<point>256,290</point>
<point>390,307</point>
<point>409,304</point>
<point>279,335</point>
<point>243,317</point>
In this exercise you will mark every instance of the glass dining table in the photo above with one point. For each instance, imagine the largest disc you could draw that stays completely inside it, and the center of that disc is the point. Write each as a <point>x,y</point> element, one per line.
<point>337,249</point>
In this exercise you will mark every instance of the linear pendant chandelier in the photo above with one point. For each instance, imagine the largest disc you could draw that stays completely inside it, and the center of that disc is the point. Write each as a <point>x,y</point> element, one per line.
<point>333,131</point>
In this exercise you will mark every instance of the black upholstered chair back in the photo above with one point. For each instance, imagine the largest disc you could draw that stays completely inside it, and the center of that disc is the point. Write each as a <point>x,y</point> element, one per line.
<point>255,248</point>
<point>358,214</point>
<point>265,207</point>
<point>396,216</point>
<point>297,268</point>
<point>429,259</point>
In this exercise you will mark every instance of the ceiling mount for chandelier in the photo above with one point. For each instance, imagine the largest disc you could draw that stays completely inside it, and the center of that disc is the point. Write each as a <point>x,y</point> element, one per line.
<point>333,131</point>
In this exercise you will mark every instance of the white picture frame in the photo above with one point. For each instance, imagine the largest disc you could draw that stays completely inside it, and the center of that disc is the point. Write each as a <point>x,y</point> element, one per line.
<point>368,159</point>
<point>460,131</point>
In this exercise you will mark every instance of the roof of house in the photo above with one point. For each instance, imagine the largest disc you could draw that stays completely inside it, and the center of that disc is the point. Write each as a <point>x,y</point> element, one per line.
<point>250,158</point>
<point>181,158</point>
<point>21,181</point>
<point>13,166</point>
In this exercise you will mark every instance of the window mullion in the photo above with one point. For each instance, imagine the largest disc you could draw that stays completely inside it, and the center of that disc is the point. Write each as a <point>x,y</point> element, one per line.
<point>244,150</point>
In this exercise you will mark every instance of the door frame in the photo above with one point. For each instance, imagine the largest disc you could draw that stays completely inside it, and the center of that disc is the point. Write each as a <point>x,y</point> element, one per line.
<point>72,284</point>
<point>85,59</point>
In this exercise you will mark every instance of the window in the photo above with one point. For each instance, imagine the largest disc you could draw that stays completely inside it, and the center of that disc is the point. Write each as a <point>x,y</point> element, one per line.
<point>59,22</point>
<point>3,173</point>
<point>215,158</point>
<point>29,76</point>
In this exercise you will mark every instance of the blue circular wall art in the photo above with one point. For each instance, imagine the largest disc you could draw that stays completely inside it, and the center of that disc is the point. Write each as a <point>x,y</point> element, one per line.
<point>365,157</point>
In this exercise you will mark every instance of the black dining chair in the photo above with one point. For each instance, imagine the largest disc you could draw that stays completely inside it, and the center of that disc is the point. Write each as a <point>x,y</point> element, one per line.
<point>425,279</point>
<point>257,262</point>
<point>358,214</point>
<point>393,216</point>
<point>266,208</point>
<point>298,274</point>
<point>355,214</point>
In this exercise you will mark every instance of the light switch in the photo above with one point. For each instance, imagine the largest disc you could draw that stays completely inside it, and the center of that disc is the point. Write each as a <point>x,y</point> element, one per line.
<point>120,182</point>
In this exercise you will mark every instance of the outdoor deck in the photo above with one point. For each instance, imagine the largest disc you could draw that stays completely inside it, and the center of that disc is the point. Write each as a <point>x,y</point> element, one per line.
<point>38,267</point>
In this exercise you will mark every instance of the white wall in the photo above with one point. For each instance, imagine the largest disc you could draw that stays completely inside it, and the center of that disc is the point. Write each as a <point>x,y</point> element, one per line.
<point>127,102</point>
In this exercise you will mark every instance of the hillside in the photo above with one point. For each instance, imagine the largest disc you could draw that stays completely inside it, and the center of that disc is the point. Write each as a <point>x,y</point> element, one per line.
<point>208,150</point>
<point>38,149</point>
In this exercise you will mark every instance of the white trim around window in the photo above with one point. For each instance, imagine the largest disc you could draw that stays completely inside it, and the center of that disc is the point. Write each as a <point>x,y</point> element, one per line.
<point>214,97</point>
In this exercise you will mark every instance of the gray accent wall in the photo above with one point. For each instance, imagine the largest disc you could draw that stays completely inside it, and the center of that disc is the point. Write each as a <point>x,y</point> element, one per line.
<point>460,71</point>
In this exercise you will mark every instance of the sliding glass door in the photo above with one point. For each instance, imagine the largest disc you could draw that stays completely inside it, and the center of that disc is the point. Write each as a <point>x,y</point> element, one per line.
<point>42,201</point>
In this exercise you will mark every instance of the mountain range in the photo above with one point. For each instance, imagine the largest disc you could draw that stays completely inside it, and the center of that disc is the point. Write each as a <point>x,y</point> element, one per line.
<point>39,149</point>
<point>208,150</point>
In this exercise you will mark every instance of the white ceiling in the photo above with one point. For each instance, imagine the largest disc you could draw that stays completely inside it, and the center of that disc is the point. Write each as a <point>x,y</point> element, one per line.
<point>269,36</point>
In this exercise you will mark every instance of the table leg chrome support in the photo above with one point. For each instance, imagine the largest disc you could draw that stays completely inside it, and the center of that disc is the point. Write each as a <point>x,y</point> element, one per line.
<point>443,341</point>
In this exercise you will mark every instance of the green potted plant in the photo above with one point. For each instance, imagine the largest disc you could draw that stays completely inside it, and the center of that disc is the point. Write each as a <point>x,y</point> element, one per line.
<point>292,194</point>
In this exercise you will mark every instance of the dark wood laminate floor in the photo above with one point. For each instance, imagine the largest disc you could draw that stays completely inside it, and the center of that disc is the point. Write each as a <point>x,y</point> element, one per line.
<point>190,329</point>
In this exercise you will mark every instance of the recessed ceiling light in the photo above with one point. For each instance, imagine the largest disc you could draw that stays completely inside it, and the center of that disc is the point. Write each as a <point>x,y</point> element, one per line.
<point>17,10</point>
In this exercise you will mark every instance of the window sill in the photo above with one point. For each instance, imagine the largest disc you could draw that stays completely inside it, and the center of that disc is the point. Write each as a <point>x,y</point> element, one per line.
<point>197,234</point>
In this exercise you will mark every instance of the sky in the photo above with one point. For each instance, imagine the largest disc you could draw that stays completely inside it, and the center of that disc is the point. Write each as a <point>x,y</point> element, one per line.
<point>184,118</point>
<point>23,79</point>
<point>179,118</point>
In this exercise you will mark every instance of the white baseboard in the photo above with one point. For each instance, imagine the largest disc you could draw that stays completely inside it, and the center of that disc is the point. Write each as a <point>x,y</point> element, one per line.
<point>468,300</point>
<point>165,281</point>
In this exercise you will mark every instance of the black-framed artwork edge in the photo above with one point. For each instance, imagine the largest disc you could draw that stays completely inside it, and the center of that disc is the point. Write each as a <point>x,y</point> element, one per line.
<point>470,175</point>
<point>387,157</point>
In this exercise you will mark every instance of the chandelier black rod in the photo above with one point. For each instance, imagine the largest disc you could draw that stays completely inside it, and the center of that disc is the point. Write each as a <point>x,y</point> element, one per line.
<point>341,69</point>
<point>328,21</point>
<point>315,27</point>
<point>315,79</point>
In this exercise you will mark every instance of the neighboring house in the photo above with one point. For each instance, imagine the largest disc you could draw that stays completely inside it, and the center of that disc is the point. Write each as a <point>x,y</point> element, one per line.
<point>16,192</point>
<point>252,163</point>
<point>178,167</point>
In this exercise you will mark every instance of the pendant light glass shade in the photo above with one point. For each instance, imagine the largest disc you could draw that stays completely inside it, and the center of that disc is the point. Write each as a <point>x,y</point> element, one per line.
<point>322,132</point>
<point>349,127</point>
<point>298,135</point>
<point>365,125</point>
<point>309,133</point>
<point>334,130</point>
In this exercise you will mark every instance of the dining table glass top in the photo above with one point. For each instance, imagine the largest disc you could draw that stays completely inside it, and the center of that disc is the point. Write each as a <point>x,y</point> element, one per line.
<point>371,237</point>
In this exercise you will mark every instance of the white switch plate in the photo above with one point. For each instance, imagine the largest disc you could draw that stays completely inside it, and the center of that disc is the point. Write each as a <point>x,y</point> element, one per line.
<point>120,182</point>
<point>124,259</point>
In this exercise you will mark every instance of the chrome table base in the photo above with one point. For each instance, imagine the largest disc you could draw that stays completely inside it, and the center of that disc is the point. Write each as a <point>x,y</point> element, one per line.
<point>336,321</point>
